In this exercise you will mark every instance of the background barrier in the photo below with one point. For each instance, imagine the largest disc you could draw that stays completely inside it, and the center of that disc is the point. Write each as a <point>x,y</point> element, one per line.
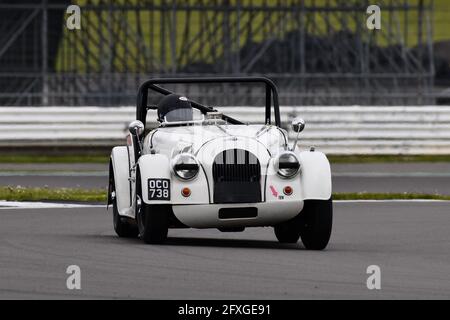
<point>335,130</point>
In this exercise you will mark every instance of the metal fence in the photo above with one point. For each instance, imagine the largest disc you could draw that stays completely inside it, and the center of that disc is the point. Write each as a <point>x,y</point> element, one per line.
<point>319,52</point>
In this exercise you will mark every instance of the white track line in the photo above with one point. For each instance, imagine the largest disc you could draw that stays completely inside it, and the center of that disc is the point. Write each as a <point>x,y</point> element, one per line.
<point>44,205</point>
<point>390,201</point>
<point>50,205</point>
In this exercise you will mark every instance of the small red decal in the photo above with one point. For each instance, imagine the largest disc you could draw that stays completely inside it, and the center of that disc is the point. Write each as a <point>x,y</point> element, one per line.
<point>274,192</point>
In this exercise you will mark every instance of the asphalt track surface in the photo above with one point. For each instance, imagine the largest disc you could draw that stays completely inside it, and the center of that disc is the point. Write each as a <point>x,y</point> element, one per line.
<point>409,241</point>
<point>432,178</point>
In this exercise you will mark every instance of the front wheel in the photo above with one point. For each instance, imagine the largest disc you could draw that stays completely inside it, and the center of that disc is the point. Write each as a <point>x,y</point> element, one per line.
<point>312,225</point>
<point>153,223</point>
<point>316,223</point>
<point>122,228</point>
<point>152,220</point>
<point>288,232</point>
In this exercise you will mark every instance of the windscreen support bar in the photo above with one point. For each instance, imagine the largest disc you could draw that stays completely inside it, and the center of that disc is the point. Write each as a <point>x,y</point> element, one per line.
<point>271,90</point>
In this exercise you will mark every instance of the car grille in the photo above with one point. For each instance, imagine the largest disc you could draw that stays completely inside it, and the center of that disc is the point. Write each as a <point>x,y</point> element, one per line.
<point>237,176</point>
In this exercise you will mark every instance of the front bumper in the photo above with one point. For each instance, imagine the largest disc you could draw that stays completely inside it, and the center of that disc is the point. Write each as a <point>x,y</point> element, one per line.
<point>207,215</point>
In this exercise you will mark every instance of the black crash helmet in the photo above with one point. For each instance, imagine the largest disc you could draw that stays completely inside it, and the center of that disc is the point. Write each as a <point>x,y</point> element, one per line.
<point>174,108</point>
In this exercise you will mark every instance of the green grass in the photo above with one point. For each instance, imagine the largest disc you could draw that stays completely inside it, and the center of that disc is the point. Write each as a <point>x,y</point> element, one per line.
<point>387,158</point>
<point>103,158</point>
<point>99,195</point>
<point>388,196</point>
<point>46,194</point>
<point>29,158</point>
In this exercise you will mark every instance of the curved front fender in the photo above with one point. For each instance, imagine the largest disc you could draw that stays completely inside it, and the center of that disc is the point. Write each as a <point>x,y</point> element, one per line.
<point>153,166</point>
<point>119,162</point>
<point>315,176</point>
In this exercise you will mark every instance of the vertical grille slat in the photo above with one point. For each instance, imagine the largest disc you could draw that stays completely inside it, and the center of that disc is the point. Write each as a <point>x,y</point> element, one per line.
<point>237,175</point>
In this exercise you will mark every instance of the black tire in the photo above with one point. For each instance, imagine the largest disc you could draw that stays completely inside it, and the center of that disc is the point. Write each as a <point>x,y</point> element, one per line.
<point>153,223</point>
<point>288,232</point>
<point>152,220</point>
<point>316,223</point>
<point>123,228</point>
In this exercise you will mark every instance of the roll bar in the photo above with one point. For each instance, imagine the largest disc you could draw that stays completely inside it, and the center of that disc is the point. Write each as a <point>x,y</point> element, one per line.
<point>271,91</point>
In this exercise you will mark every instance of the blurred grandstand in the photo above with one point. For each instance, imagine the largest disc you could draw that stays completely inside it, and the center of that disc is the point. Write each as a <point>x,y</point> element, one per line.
<point>318,51</point>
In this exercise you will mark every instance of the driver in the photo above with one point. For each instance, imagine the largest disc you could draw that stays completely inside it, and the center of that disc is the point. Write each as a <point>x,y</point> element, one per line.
<point>173,108</point>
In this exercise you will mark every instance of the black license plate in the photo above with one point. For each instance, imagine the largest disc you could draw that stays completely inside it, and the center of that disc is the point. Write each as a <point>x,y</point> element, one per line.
<point>158,189</point>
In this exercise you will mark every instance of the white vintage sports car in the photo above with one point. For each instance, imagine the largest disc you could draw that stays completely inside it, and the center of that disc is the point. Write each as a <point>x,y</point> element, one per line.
<point>203,169</point>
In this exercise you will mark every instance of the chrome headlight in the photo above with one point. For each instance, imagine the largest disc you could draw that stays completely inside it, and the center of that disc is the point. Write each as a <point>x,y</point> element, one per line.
<point>287,165</point>
<point>185,166</point>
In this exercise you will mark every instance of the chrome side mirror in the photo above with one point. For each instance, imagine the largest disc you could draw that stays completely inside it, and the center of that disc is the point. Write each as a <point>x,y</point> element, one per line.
<point>136,128</point>
<point>298,125</point>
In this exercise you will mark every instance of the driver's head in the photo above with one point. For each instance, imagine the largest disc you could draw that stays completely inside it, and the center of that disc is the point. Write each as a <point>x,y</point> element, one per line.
<point>174,108</point>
